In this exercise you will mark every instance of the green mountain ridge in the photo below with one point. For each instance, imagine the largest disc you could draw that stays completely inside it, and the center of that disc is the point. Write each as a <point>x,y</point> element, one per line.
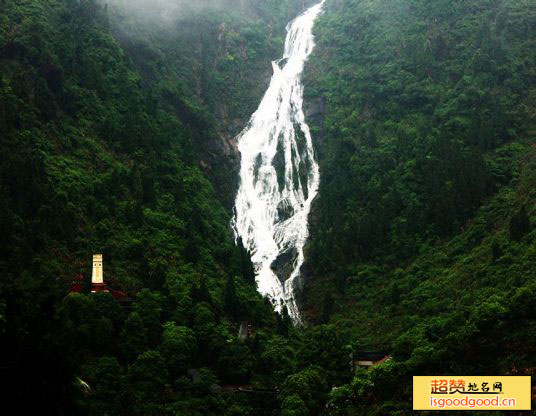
<point>423,233</point>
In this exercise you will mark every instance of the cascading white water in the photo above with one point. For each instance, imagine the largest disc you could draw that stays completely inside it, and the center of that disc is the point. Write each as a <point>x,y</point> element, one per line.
<point>279,174</point>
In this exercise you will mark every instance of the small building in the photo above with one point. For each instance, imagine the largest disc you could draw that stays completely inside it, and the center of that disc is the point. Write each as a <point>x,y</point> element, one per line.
<point>97,281</point>
<point>368,358</point>
<point>97,275</point>
<point>245,331</point>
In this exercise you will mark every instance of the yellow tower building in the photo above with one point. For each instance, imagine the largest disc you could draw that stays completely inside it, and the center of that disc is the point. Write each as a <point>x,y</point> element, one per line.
<point>97,277</point>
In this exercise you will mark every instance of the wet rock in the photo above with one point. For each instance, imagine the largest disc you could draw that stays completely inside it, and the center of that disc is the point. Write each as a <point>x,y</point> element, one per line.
<point>283,265</point>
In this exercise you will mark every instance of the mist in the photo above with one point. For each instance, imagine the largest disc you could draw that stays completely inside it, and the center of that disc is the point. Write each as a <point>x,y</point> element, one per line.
<point>166,11</point>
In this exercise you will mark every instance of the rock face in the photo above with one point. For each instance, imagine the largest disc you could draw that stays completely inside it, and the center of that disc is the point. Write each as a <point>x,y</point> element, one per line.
<point>219,76</point>
<point>314,110</point>
<point>282,265</point>
<point>220,157</point>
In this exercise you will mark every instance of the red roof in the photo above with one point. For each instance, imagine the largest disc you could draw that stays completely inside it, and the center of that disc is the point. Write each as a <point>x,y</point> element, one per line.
<point>78,286</point>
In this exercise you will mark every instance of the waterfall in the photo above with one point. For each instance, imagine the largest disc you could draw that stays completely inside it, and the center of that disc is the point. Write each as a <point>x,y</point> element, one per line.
<point>279,174</point>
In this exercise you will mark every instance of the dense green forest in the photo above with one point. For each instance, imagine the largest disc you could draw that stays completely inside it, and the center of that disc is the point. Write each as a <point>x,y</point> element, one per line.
<point>213,57</point>
<point>423,240</point>
<point>100,154</point>
<point>116,136</point>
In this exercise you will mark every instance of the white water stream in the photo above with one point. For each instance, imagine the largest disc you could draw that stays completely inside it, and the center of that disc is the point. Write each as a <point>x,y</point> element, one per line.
<point>279,174</point>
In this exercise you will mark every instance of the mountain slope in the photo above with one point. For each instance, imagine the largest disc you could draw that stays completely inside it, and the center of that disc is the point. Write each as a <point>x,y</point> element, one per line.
<point>97,159</point>
<point>423,242</point>
<point>211,56</point>
<point>115,137</point>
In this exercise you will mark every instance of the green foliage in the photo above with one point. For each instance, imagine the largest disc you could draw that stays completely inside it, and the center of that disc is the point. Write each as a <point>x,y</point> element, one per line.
<point>178,346</point>
<point>147,378</point>
<point>519,224</point>
<point>112,131</point>
<point>209,61</point>
<point>303,393</point>
<point>293,405</point>
<point>105,375</point>
<point>133,339</point>
<point>232,304</point>
<point>421,237</point>
<point>105,142</point>
<point>278,358</point>
<point>323,346</point>
<point>409,102</point>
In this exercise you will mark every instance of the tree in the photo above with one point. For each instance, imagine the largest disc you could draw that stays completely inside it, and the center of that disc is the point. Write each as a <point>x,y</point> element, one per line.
<point>277,359</point>
<point>284,323</point>
<point>177,348</point>
<point>77,311</point>
<point>204,326</point>
<point>102,335</point>
<point>235,363</point>
<point>105,380</point>
<point>519,224</point>
<point>147,380</point>
<point>308,387</point>
<point>133,337</point>
<point>201,293</point>
<point>248,270</point>
<point>231,301</point>
<point>496,251</point>
<point>327,307</point>
<point>2,318</point>
<point>148,305</point>
<point>107,307</point>
<point>293,405</point>
<point>325,348</point>
<point>340,399</point>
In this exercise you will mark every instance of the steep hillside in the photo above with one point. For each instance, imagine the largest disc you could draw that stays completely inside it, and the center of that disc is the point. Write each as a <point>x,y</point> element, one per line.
<point>211,56</point>
<point>418,96</point>
<point>98,158</point>
<point>116,127</point>
<point>422,243</point>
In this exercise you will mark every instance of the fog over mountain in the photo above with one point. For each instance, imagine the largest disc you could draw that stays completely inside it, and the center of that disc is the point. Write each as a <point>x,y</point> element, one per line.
<point>171,10</point>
